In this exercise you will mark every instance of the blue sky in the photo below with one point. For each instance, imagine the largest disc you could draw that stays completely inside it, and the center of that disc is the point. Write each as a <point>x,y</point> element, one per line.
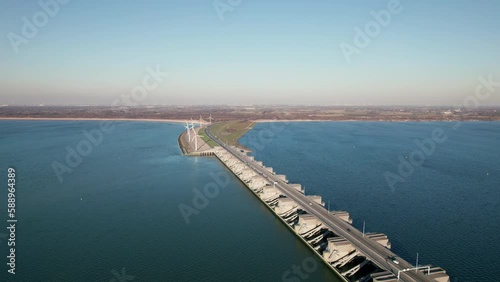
<point>261,52</point>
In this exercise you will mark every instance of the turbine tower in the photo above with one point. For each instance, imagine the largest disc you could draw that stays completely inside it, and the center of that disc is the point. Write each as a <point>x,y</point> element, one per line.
<point>191,127</point>
<point>199,122</point>
<point>187,127</point>
<point>195,138</point>
<point>210,118</point>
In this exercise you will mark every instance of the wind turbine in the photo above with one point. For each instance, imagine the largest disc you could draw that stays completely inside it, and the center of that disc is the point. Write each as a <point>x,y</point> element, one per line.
<point>210,118</point>
<point>199,123</point>
<point>195,138</point>
<point>187,127</point>
<point>191,127</point>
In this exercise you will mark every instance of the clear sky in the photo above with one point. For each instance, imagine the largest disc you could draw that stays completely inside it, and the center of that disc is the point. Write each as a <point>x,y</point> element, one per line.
<point>254,52</point>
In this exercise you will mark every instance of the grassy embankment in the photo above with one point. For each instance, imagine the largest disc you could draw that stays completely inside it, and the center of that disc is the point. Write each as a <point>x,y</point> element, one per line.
<point>205,138</point>
<point>231,131</point>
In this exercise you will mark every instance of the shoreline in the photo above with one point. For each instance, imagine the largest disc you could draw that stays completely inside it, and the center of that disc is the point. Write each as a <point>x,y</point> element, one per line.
<point>255,121</point>
<point>97,119</point>
<point>369,120</point>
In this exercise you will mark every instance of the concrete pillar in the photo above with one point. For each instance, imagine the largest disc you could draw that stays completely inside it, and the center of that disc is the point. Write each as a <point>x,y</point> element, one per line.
<point>380,238</point>
<point>316,199</point>
<point>285,206</point>
<point>307,222</point>
<point>338,247</point>
<point>343,215</point>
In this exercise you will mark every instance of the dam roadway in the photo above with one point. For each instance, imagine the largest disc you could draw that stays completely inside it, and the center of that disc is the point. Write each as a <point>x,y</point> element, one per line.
<point>373,251</point>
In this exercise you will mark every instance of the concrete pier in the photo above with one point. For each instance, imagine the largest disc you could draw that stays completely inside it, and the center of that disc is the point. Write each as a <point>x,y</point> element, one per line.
<point>380,238</point>
<point>270,169</point>
<point>269,193</point>
<point>257,182</point>
<point>286,206</point>
<point>307,222</point>
<point>297,187</point>
<point>337,248</point>
<point>317,199</point>
<point>343,215</point>
<point>282,177</point>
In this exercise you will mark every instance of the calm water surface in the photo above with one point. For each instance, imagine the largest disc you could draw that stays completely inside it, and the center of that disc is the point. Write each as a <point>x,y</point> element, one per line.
<point>447,210</point>
<point>119,211</point>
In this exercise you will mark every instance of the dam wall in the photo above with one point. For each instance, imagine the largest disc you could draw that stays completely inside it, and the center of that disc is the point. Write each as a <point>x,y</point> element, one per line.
<point>342,256</point>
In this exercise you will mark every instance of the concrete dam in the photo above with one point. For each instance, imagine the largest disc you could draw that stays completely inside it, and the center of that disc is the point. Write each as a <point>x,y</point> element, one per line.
<point>350,253</point>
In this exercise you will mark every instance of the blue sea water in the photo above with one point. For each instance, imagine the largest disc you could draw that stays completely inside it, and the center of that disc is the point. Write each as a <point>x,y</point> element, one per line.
<point>115,216</point>
<point>119,209</point>
<point>447,210</point>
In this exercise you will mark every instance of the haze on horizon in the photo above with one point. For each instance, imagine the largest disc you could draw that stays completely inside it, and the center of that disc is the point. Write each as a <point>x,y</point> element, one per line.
<point>254,52</point>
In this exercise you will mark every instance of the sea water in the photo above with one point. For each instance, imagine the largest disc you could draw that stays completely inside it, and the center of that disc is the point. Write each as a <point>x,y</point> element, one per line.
<point>115,216</point>
<point>446,210</point>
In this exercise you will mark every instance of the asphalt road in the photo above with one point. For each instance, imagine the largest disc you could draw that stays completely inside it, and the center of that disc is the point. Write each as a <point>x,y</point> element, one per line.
<point>375,252</point>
